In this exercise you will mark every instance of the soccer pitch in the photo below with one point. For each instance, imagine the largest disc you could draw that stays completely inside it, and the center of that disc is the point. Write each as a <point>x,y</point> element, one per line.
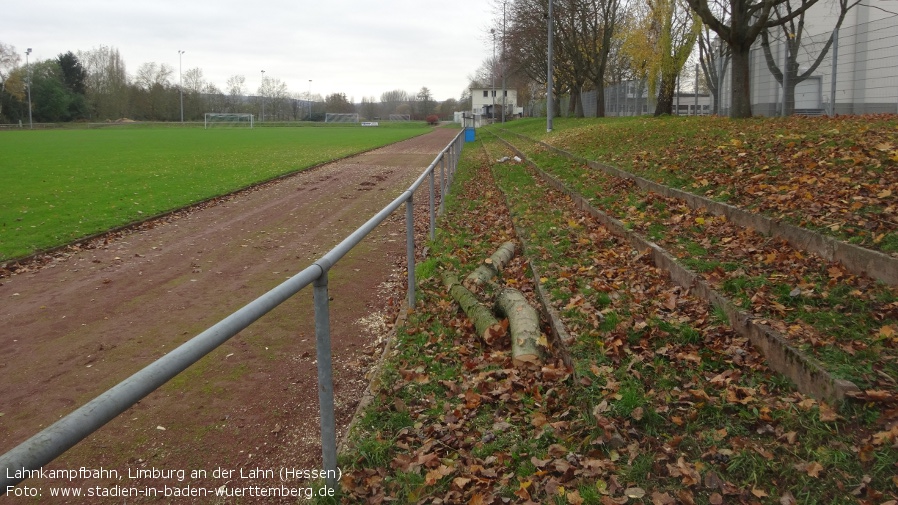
<point>59,186</point>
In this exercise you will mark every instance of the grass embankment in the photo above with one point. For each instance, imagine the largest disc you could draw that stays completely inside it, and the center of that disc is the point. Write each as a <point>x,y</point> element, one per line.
<point>838,176</point>
<point>664,402</point>
<point>60,186</point>
<point>846,321</point>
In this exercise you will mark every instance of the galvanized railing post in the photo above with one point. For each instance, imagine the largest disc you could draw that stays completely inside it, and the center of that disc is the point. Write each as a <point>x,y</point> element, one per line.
<point>410,248</point>
<point>325,380</point>
<point>443,181</point>
<point>433,220</point>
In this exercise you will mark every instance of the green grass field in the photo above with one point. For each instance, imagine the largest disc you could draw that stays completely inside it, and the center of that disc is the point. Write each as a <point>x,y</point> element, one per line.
<point>63,185</point>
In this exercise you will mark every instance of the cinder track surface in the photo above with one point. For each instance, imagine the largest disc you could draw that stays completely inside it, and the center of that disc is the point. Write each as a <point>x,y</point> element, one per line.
<point>84,322</point>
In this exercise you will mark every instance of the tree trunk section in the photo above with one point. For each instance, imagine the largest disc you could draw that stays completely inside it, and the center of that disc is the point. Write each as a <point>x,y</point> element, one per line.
<point>523,323</point>
<point>740,104</point>
<point>665,95</point>
<point>491,267</point>
<point>486,325</point>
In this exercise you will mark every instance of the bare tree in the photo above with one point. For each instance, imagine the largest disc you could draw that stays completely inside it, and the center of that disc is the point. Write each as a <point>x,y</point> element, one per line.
<point>583,43</point>
<point>155,101</point>
<point>152,74</point>
<point>392,101</point>
<point>194,84</point>
<point>369,107</point>
<point>713,59</point>
<point>236,89</point>
<point>739,23</point>
<point>793,33</point>
<point>274,93</point>
<point>107,82</point>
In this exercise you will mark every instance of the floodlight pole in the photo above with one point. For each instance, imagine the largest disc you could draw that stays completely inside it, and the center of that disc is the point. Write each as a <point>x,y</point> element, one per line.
<point>28,70</point>
<point>261,88</point>
<point>181,83</point>
<point>504,91</point>
<point>549,76</point>
<point>493,77</point>
<point>310,100</point>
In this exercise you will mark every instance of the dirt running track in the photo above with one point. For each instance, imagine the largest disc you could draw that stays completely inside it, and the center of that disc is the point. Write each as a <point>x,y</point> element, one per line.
<point>84,322</point>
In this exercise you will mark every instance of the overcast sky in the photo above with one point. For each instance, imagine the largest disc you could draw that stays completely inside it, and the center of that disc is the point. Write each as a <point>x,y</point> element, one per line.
<point>358,47</point>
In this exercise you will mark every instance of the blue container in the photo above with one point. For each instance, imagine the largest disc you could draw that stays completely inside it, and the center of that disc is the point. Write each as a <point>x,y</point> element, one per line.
<point>469,134</point>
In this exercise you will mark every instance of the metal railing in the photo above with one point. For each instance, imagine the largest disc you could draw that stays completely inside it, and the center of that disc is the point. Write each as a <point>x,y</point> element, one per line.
<point>59,437</point>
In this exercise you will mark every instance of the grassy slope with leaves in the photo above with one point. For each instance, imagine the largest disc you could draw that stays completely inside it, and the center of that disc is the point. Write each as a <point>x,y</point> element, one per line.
<point>664,404</point>
<point>848,322</point>
<point>838,176</point>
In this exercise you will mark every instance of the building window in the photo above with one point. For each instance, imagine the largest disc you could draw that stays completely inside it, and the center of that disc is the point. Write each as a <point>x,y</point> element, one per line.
<point>485,94</point>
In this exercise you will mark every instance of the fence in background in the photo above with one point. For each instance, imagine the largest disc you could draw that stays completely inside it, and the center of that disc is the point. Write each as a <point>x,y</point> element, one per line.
<point>50,443</point>
<point>857,74</point>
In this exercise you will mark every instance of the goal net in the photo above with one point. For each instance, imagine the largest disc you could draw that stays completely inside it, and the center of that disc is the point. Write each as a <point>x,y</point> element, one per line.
<point>400,117</point>
<point>334,117</point>
<point>228,120</point>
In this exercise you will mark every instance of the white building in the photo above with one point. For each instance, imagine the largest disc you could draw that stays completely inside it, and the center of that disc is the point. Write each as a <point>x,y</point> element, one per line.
<point>488,103</point>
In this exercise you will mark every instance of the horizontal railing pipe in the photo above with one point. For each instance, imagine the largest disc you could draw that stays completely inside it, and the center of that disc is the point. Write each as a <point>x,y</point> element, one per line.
<point>57,438</point>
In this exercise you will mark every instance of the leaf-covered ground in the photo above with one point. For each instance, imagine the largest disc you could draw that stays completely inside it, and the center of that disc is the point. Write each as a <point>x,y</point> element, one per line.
<point>848,322</point>
<point>664,402</point>
<point>837,175</point>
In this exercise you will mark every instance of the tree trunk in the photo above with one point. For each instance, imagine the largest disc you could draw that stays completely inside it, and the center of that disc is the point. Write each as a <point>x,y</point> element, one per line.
<point>491,267</point>
<point>665,96</point>
<point>487,327</point>
<point>740,103</point>
<point>789,95</point>
<point>523,323</point>
<point>600,99</point>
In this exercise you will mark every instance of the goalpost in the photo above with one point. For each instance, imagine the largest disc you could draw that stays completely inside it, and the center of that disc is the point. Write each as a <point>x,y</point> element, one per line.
<point>334,117</point>
<point>400,117</point>
<point>227,120</point>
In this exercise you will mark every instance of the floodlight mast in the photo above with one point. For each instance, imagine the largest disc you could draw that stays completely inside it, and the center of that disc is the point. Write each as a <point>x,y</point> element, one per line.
<point>28,71</point>
<point>493,78</point>
<point>504,90</point>
<point>263,97</point>
<point>181,83</point>
<point>310,100</point>
<point>549,69</point>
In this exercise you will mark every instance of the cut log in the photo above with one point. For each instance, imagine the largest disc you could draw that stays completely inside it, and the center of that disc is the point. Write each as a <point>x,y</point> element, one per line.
<point>492,266</point>
<point>486,325</point>
<point>527,341</point>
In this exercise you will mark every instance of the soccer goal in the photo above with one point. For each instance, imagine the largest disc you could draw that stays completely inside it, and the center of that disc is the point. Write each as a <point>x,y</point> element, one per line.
<point>227,120</point>
<point>334,117</point>
<point>400,117</point>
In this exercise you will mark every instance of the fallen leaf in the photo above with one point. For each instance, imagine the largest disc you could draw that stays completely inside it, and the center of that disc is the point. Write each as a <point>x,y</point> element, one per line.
<point>662,499</point>
<point>827,413</point>
<point>813,469</point>
<point>461,482</point>
<point>539,419</point>
<point>574,498</point>
<point>686,497</point>
<point>634,492</point>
